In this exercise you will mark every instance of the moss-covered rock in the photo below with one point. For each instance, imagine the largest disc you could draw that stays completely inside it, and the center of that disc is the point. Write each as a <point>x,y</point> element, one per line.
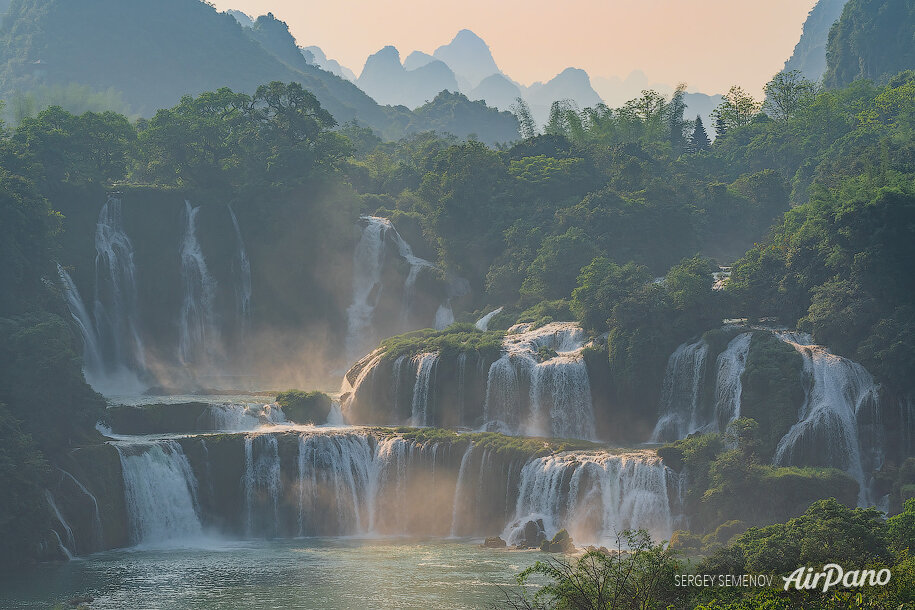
<point>305,407</point>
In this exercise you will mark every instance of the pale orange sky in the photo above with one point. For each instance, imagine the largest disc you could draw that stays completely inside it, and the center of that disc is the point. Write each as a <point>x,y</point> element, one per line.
<point>709,44</point>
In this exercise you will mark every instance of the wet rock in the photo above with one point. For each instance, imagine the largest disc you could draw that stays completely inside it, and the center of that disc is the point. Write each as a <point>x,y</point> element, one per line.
<point>494,542</point>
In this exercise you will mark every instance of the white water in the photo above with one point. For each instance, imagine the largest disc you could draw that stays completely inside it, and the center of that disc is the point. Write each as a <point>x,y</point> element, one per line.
<point>160,492</point>
<point>837,390</point>
<point>594,495</point>
<point>70,545</point>
<point>681,412</point>
<point>368,262</point>
<point>93,360</point>
<point>97,520</point>
<point>731,364</point>
<point>242,269</point>
<point>444,315</point>
<point>198,335</point>
<point>559,395</point>
<point>425,366</point>
<point>483,323</point>
<point>262,484</point>
<point>459,492</point>
<point>115,307</point>
<point>232,417</point>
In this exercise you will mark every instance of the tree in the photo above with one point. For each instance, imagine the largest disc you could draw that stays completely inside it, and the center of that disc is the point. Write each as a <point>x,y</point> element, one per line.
<point>526,124</point>
<point>737,109</point>
<point>698,140</point>
<point>786,94</point>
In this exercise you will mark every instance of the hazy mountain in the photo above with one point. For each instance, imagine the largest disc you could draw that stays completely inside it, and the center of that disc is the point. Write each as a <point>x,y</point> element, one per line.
<point>316,57</point>
<point>388,82</point>
<point>570,84</point>
<point>417,59</point>
<point>497,90</point>
<point>700,104</point>
<point>469,57</point>
<point>616,91</point>
<point>244,19</point>
<point>810,52</point>
<point>873,39</point>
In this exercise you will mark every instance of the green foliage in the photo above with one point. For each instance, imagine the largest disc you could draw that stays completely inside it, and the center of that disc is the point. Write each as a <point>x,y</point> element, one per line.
<point>772,390</point>
<point>601,284</point>
<point>901,528</point>
<point>457,338</point>
<point>23,514</point>
<point>639,574</point>
<point>305,407</point>
<point>545,312</point>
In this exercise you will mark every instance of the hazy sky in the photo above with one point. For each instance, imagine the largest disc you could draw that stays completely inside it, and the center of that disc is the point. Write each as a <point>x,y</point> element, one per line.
<point>709,44</point>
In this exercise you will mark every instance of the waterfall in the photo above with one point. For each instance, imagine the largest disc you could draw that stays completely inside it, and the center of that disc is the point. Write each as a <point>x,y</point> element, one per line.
<point>262,485</point>
<point>115,308</point>
<point>838,391</point>
<point>160,492</point>
<point>594,495</point>
<point>96,516</point>
<point>425,368</point>
<point>681,410</point>
<point>70,545</point>
<point>334,480</point>
<point>416,265</point>
<point>368,261</point>
<point>243,276</point>
<point>459,490</point>
<point>483,323</point>
<point>93,360</point>
<point>559,394</point>
<point>241,417</point>
<point>444,315</point>
<point>198,334</point>
<point>730,365</point>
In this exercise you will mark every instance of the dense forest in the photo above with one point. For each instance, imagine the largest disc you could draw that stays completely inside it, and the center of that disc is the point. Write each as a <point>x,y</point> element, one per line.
<point>616,218</point>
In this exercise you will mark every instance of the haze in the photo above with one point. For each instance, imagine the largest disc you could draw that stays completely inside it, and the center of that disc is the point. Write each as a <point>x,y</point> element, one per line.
<point>709,44</point>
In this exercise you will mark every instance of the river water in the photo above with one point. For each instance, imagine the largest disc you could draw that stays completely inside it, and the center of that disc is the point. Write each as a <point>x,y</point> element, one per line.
<point>302,573</point>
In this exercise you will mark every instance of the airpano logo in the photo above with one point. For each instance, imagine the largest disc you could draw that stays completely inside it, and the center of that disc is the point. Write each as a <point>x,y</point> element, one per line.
<point>832,575</point>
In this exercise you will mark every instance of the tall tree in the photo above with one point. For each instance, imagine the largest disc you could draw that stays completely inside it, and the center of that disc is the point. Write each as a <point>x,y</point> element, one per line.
<point>786,93</point>
<point>736,109</point>
<point>698,140</point>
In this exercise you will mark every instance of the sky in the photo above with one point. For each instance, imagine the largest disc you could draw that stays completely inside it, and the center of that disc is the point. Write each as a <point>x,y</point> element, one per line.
<point>708,44</point>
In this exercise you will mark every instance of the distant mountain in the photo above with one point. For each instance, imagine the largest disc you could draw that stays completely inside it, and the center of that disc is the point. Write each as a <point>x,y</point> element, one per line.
<point>809,55</point>
<point>388,82</point>
<point>244,20</point>
<point>316,57</point>
<point>148,55</point>
<point>616,91</point>
<point>701,105</point>
<point>454,113</point>
<point>497,90</point>
<point>572,84</point>
<point>469,57</point>
<point>873,39</point>
<point>417,59</point>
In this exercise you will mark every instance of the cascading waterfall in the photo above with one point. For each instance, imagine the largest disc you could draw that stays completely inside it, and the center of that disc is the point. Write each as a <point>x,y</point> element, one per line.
<point>262,485</point>
<point>160,492</point>
<point>594,495</point>
<point>241,417</point>
<point>459,490</point>
<point>681,408</point>
<point>421,407</point>
<point>241,266</point>
<point>416,265</point>
<point>68,543</point>
<point>198,334</point>
<point>96,516</point>
<point>483,323</point>
<point>731,364</point>
<point>559,393</point>
<point>93,359</point>
<point>838,391</point>
<point>444,315</point>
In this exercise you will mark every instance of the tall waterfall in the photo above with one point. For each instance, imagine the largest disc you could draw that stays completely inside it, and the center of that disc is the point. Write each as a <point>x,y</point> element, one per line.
<point>558,400</point>
<point>241,266</point>
<point>160,493</point>
<point>416,265</point>
<point>368,262</point>
<point>115,308</point>
<point>681,405</point>
<point>425,369</point>
<point>594,495</point>
<point>838,393</point>
<point>731,364</point>
<point>198,334</point>
<point>93,359</point>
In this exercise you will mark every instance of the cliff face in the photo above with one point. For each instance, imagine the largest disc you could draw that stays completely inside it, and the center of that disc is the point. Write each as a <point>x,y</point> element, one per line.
<point>809,56</point>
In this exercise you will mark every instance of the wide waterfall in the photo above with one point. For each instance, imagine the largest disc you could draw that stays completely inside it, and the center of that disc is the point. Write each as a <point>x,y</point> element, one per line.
<point>681,394</point>
<point>241,267</point>
<point>595,495</point>
<point>198,333</point>
<point>548,363</point>
<point>838,393</point>
<point>262,485</point>
<point>160,493</point>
